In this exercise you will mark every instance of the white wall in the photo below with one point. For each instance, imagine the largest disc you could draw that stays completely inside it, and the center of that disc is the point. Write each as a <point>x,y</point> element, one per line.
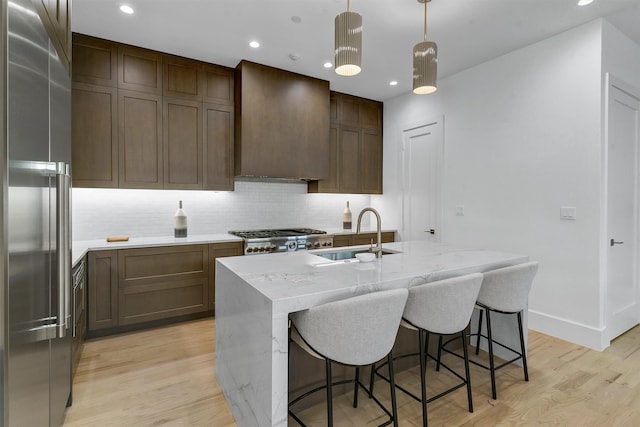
<point>98,213</point>
<point>522,137</point>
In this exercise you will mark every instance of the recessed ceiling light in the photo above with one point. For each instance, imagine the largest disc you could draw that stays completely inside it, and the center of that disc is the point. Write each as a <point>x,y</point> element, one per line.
<point>296,19</point>
<point>393,83</point>
<point>254,44</point>
<point>328,65</point>
<point>126,9</point>
<point>584,2</point>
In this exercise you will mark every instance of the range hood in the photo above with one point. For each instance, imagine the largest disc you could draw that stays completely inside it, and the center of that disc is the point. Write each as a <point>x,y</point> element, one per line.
<point>281,124</point>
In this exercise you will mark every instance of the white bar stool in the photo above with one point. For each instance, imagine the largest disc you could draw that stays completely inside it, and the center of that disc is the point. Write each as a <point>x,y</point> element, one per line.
<point>506,291</point>
<point>358,331</point>
<point>442,307</point>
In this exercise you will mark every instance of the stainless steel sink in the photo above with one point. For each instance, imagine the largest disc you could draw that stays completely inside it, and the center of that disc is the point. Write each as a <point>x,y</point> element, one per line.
<point>349,254</point>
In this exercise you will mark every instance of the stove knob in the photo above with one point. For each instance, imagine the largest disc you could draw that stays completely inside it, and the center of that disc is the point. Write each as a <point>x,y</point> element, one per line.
<point>273,248</point>
<point>249,250</point>
<point>316,245</point>
<point>309,245</point>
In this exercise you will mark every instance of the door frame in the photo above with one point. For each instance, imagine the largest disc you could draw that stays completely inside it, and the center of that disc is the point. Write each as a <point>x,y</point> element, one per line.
<point>437,121</point>
<point>611,82</point>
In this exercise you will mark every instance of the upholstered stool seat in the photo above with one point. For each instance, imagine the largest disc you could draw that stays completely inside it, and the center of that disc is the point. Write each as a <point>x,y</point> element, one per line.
<point>443,307</point>
<point>358,331</point>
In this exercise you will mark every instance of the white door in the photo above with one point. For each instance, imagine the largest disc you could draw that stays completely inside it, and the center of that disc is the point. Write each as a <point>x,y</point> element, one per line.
<point>422,181</point>
<point>622,211</point>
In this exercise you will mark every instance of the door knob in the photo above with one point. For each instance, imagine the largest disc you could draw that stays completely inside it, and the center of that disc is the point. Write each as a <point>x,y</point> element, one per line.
<point>613,242</point>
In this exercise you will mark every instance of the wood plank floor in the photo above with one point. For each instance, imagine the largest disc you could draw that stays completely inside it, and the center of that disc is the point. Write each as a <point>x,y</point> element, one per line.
<point>166,377</point>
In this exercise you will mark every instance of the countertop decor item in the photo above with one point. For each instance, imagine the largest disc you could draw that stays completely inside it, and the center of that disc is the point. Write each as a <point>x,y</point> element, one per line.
<point>180,229</point>
<point>366,256</point>
<point>347,218</point>
<point>118,239</point>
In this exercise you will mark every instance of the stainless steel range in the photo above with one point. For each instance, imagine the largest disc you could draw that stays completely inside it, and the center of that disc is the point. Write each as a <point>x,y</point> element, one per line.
<point>284,240</point>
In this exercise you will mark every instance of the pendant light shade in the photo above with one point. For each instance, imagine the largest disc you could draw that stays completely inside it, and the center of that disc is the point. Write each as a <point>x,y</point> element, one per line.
<point>425,67</point>
<point>348,43</point>
<point>425,62</point>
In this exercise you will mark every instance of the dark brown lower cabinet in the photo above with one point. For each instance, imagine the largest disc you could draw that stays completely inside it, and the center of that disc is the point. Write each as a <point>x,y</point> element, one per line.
<point>361,239</point>
<point>145,286</point>
<point>156,283</point>
<point>219,250</point>
<point>102,289</point>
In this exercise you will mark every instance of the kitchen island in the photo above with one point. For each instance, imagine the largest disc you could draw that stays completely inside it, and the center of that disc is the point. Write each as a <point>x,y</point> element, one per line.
<point>255,294</point>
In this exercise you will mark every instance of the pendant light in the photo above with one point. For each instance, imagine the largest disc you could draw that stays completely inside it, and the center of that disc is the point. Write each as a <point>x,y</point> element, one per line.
<point>425,62</point>
<point>348,43</point>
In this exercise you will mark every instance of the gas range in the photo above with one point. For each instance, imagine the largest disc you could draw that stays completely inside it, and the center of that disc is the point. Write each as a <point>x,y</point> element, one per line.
<point>283,240</point>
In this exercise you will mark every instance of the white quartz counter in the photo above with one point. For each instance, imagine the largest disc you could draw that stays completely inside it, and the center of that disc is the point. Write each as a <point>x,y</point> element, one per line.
<point>80,248</point>
<point>255,294</point>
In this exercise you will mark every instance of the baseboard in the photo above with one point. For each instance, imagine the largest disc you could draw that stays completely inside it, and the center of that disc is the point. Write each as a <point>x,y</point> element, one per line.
<point>568,330</point>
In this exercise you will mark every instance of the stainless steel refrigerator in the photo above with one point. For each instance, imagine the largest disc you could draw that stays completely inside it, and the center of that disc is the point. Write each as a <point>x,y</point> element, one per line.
<point>35,229</point>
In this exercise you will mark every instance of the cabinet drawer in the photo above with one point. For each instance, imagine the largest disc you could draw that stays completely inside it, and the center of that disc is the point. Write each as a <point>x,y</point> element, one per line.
<point>162,299</point>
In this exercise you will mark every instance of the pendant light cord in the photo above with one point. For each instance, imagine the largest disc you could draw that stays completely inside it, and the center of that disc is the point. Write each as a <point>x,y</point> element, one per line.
<point>425,20</point>
<point>347,5</point>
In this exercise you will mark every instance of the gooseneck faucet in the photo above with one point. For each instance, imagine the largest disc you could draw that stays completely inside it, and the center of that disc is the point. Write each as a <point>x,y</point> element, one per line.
<point>378,249</point>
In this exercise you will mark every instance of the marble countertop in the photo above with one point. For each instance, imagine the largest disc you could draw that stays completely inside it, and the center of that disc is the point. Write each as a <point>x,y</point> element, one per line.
<point>80,248</point>
<point>296,280</point>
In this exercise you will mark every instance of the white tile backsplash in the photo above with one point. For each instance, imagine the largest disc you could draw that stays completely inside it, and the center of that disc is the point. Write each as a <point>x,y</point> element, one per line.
<point>98,213</point>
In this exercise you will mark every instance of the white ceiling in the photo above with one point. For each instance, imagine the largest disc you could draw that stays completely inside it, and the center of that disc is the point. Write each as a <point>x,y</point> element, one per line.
<point>468,32</point>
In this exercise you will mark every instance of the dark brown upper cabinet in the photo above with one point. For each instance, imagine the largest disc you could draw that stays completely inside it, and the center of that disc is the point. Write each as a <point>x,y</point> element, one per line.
<point>218,147</point>
<point>282,123</point>
<point>218,85</point>
<point>144,119</point>
<point>140,140</point>
<point>182,78</point>
<point>182,135</point>
<point>95,61</point>
<point>356,147</point>
<point>94,135</point>
<point>139,69</point>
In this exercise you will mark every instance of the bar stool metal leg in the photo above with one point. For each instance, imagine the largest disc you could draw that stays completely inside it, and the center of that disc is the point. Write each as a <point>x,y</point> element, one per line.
<point>492,368</point>
<point>329,395</point>
<point>355,388</point>
<point>479,331</point>
<point>466,368</point>
<point>522,349</point>
<point>423,368</point>
<point>392,385</point>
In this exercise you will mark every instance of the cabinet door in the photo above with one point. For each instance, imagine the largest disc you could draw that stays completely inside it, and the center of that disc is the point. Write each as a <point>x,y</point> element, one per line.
<point>365,238</point>
<point>341,241</point>
<point>331,184</point>
<point>182,78</point>
<point>95,61</point>
<point>218,85</point>
<point>164,282</point>
<point>349,110</point>
<point>371,163</point>
<point>94,136</point>
<point>218,147</point>
<point>348,164</point>
<point>182,123</point>
<point>219,250</point>
<point>102,290</point>
<point>139,70</point>
<point>140,140</point>
<point>371,115</point>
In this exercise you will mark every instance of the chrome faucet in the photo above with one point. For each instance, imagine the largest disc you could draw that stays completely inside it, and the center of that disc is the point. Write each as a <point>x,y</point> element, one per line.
<point>378,249</point>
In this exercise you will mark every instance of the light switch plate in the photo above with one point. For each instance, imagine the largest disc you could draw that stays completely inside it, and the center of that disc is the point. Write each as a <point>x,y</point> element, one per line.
<point>459,210</point>
<point>568,212</point>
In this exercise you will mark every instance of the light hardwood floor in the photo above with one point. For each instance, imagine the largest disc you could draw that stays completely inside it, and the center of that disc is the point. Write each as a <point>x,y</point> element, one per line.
<point>166,377</point>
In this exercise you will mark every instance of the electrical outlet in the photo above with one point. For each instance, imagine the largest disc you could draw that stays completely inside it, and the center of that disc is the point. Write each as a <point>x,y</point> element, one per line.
<point>459,210</point>
<point>568,212</point>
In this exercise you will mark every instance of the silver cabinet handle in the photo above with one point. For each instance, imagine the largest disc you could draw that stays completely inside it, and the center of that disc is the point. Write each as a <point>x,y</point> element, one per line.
<point>613,242</point>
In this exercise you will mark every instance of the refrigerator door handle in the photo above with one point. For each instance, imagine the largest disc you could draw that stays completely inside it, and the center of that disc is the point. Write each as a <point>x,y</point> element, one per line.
<point>63,243</point>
